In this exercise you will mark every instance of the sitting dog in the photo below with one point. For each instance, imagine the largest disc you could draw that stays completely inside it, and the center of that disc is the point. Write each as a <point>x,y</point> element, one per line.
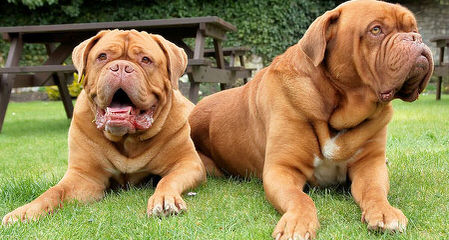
<point>130,121</point>
<point>319,114</point>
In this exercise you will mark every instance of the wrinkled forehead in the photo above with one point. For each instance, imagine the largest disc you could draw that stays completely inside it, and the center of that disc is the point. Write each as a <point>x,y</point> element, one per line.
<point>129,42</point>
<point>362,13</point>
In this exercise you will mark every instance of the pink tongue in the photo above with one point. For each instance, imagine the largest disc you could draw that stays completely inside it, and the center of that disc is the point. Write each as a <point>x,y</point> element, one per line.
<point>119,110</point>
<point>121,119</point>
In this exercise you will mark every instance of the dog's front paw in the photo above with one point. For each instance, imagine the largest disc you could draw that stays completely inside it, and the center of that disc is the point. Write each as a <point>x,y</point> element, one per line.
<point>161,204</point>
<point>384,217</point>
<point>297,226</point>
<point>29,212</point>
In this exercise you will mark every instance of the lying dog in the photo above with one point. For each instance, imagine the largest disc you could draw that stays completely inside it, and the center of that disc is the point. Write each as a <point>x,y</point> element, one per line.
<point>130,121</point>
<point>319,113</point>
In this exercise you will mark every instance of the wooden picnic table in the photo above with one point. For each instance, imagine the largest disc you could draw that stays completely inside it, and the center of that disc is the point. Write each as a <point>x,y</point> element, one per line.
<point>441,67</point>
<point>60,40</point>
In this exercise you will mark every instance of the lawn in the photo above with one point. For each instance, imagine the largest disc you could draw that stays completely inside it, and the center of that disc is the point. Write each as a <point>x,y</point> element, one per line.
<point>33,157</point>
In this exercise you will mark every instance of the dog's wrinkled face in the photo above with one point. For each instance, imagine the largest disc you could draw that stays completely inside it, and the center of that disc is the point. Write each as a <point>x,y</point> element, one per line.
<point>128,75</point>
<point>379,46</point>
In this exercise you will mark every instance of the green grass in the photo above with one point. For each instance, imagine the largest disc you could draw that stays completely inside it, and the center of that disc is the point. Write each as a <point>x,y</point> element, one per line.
<point>33,157</point>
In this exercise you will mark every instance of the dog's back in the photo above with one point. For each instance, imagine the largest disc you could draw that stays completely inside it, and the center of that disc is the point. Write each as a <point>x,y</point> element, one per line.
<point>223,129</point>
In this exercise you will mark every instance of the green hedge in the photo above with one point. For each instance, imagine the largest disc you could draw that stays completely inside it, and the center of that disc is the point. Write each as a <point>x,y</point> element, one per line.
<point>267,26</point>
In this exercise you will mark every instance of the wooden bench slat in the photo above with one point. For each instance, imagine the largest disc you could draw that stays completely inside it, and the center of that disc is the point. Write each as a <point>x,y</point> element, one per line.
<point>71,68</point>
<point>441,70</point>
<point>141,24</point>
<point>39,69</point>
<point>199,62</point>
<point>227,51</point>
<point>242,73</point>
<point>211,75</point>
<point>28,80</point>
<point>240,68</point>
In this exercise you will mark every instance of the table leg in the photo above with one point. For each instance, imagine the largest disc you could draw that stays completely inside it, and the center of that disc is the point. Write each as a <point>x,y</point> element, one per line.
<point>438,92</point>
<point>220,60</point>
<point>440,79</point>
<point>56,56</point>
<point>242,64</point>
<point>232,60</point>
<point>7,80</point>
<point>64,93</point>
<point>183,45</point>
<point>197,54</point>
<point>50,47</point>
<point>199,45</point>
<point>194,89</point>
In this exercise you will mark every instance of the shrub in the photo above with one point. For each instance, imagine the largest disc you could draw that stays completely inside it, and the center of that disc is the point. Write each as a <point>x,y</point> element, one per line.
<point>445,88</point>
<point>269,27</point>
<point>74,89</point>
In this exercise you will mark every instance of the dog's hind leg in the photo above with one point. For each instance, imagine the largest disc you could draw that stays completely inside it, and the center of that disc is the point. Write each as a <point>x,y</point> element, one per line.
<point>211,167</point>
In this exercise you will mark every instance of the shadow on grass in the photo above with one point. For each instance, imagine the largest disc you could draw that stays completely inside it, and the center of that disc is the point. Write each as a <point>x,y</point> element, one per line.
<point>149,181</point>
<point>339,189</point>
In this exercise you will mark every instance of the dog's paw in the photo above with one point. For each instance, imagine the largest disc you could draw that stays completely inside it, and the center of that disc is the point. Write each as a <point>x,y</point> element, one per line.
<point>165,204</point>
<point>29,212</point>
<point>296,226</point>
<point>385,218</point>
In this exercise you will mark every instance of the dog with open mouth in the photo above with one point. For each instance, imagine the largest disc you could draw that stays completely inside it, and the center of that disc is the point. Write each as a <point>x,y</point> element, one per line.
<point>130,121</point>
<point>319,113</point>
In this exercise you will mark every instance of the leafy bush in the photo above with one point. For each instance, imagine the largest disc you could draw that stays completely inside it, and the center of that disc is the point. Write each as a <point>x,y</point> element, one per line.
<point>267,26</point>
<point>445,88</point>
<point>53,93</point>
<point>74,89</point>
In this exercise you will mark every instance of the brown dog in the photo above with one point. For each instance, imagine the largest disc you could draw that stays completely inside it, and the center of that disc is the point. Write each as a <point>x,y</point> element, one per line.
<point>130,121</point>
<point>319,113</point>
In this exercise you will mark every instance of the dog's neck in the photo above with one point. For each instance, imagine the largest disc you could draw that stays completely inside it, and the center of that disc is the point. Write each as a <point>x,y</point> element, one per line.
<point>354,104</point>
<point>353,108</point>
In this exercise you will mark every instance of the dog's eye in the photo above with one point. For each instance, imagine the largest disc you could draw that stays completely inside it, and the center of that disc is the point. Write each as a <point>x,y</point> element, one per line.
<point>376,30</point>
<point>102,57</point>
<point>146,60</point>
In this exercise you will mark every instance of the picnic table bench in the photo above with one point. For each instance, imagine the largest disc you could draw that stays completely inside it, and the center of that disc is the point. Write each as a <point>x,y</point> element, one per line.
<point>441,68</point>
<point>60,40</point>
<point>234,52</point>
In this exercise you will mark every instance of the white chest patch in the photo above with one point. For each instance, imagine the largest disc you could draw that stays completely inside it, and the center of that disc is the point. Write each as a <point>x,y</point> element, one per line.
<point>328,172</point>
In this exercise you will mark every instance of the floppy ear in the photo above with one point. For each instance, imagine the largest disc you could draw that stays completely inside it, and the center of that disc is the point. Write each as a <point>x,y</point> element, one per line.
<point>314,41</point>
<point>176,59</point>
<point>80,53</point>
